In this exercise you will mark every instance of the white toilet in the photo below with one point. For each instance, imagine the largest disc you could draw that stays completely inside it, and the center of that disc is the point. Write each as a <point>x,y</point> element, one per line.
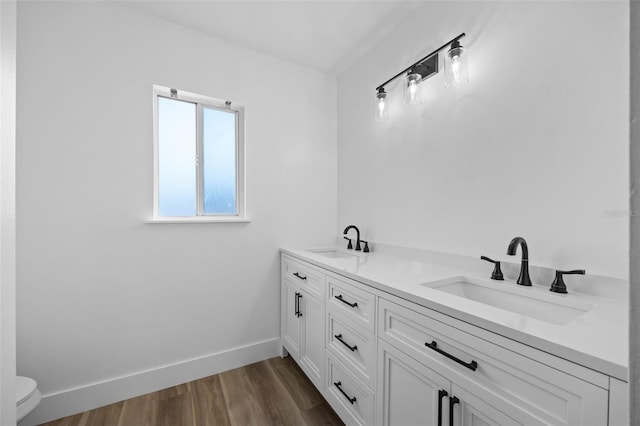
<point>27,396</point>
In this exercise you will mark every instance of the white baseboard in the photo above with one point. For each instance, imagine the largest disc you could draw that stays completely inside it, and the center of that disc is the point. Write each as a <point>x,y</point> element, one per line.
<point>87,397</point>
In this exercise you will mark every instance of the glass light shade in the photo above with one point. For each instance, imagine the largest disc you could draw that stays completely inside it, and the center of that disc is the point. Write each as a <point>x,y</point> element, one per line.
<point>382,108</point>
<point>455,66</point>
<point>412,90</point>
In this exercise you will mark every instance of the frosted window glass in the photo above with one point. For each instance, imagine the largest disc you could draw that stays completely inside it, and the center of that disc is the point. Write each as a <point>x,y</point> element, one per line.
<point>176,158</point>
<point>219,161</point>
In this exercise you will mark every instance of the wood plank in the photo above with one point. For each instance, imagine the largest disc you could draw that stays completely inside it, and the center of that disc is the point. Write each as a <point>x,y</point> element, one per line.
<point>278,403</point>
<point>141,411</point>
<point>175,410</point>
<point>293,378</point>
<point>242,408</point>
<point>255,396</point>
<point>321,415</point>
<point>209,405</point>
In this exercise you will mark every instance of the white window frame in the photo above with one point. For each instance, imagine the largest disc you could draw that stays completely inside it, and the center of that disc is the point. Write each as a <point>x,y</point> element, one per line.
<point>201,102</point>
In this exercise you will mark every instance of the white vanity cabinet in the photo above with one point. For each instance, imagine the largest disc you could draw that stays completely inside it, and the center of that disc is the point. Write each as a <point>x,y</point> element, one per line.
<point>303,317</point>
<point>381,360</point>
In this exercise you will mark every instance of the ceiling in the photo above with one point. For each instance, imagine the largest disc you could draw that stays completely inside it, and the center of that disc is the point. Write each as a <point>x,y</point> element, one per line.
<point>324,35</point>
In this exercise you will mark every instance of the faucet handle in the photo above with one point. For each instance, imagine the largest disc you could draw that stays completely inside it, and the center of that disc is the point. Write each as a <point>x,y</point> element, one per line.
<point>558,285</point>
<point>366,246</point>
<point>497,272</point>
<point>350,246</point>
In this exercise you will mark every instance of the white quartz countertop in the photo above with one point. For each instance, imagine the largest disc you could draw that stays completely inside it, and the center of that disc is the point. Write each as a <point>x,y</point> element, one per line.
<point>597,339</point>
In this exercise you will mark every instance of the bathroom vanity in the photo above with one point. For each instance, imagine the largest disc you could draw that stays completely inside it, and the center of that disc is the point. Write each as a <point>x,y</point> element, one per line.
<point>393,340</point>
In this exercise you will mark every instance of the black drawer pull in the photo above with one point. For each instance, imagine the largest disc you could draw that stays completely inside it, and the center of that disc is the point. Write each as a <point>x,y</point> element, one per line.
<point>299,276</point>
<point>339,337</point>
<point>339,386</point>
<point>299,313</point>
<point>441,393</point>
<point>353,305</point>
<point>470,365</point>
<point>452,401</point>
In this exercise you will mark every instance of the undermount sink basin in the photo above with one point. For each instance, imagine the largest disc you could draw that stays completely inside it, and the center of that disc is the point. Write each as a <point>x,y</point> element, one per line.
<point>333,253</point>
<point>538,306</point>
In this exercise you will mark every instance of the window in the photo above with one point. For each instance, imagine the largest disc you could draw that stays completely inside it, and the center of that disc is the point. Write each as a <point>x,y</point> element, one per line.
<point>198,158</point>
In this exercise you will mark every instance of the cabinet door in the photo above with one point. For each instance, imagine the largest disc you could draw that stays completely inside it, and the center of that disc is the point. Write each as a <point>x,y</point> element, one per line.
<point>408,393</point>
<point>470,410</point>
<point>290,321</point>
<point>312,355</point>
<point>479,406</point>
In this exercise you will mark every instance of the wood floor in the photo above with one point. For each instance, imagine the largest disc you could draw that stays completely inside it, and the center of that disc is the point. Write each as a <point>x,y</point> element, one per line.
<point>271,392</point>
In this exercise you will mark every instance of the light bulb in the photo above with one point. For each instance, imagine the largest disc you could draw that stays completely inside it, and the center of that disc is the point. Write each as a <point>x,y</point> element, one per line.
<point>412,92</point>
<point>455,66</point>
<point>413,89</point>
<point>382,110</point>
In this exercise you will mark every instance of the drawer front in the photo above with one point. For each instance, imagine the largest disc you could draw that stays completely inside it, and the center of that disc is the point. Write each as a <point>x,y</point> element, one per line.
<point>358,306</point>
<point>355,348</point>
<point>549,394</point>
<point>352,400</point>
<point>309,278</point>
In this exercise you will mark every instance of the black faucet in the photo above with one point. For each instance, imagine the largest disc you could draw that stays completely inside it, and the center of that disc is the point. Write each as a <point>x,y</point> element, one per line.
<point>523,279</point>
<point>346,230</point>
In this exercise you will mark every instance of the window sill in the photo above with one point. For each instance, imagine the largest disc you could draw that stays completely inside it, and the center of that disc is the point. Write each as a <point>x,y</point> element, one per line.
<point>199,219</point>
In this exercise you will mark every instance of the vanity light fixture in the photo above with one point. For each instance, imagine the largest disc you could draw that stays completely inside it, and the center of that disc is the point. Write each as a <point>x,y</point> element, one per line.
<point>455,76</point>
<point>455,66</point>
<point>412,88</point>
<point>382,109</point>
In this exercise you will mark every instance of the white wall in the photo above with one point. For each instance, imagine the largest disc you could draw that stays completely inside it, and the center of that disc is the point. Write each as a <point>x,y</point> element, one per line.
<point>535,145</point>
<point>101,293</point>
<point>7,212</point>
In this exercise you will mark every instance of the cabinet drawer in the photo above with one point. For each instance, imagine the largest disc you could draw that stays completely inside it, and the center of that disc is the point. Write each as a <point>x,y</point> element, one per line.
<point>350,398</point>
<point>355,348</point>
<point>549,394</point>
<point>309,278</point>
<point>352,303</point>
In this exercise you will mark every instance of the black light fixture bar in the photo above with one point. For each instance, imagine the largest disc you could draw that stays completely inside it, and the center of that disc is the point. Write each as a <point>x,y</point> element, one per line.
<point>420,61</point>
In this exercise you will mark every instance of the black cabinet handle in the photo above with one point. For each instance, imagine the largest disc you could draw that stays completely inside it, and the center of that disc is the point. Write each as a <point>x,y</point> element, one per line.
<point>339,337</point>
<point>299,313</point>
<point>299,276</point>
<point>339,386</point>
<point>295,304</point>
<point>339,297</point>
<point>452,401</point>
<point>441,393</point>
<point>470,365</point>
